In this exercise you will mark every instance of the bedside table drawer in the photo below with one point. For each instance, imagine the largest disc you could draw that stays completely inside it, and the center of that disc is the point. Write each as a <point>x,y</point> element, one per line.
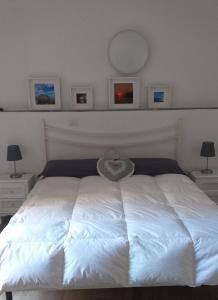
<point>208,186</point>
<point>10,205</point>
<point>12,190</point>
<point>213,196</point>
<point>207,180</point>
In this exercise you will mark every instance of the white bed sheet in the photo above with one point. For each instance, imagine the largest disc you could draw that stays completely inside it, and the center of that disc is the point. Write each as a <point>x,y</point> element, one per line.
<point>93,233</point>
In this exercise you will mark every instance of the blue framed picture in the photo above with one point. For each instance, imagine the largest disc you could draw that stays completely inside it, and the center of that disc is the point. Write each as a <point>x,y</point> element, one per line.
<point>159,96</point>
<point>44,93</point>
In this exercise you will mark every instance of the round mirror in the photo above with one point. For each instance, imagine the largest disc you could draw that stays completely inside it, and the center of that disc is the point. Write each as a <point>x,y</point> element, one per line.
<point>128,52</point>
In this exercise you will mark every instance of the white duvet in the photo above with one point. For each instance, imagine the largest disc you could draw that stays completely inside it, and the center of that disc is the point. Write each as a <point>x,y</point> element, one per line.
<point>94,233</point>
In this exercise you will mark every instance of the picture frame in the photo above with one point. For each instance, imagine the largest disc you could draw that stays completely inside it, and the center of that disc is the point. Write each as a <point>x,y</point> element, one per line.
<point>44,93</point>
<point>82,97</point>
<point>124,92</point>
<point>159,96</point>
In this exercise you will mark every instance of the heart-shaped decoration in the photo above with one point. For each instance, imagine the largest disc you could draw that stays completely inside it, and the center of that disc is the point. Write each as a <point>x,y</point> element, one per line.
<point>115,166</point>
<point>115,169</point>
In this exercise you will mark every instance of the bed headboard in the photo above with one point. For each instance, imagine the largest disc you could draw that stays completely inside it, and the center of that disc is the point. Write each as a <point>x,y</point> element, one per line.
<point>67,143</point>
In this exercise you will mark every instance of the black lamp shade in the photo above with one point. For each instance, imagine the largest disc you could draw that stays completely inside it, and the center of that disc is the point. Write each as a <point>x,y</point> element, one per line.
<point>208,149</point>
<point>14,153</point>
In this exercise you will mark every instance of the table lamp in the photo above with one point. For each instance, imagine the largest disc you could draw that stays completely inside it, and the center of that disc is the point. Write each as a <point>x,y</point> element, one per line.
<point>14,154</point>
<point>207,150</point>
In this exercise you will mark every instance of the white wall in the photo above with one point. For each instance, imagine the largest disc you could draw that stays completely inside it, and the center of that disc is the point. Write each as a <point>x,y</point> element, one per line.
<point>69,38</point>
<point>24,128</point>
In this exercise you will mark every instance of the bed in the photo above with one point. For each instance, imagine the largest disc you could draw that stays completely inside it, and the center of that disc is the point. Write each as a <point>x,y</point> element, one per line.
<point>87,232</point>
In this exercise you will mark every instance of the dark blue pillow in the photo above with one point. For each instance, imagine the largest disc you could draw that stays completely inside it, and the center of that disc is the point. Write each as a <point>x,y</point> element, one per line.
<point>88,167</point>
<point>156,166</point>
<point>70,168</point>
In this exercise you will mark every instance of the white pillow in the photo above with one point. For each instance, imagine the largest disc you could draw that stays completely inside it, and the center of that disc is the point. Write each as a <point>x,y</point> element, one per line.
<point>115,169</point>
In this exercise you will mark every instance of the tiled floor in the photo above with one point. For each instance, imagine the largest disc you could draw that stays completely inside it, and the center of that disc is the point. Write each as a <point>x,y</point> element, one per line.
<point>73,295</point>
<point>46,296</point>
<point>36,296</point>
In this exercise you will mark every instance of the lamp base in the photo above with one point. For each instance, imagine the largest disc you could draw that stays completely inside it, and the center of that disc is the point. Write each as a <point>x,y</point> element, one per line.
<point>15,175</point>
<point>207,171</point>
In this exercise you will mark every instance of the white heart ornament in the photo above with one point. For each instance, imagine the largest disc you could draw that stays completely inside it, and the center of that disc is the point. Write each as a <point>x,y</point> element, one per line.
<point>115,169</point>
<point>115,166</point>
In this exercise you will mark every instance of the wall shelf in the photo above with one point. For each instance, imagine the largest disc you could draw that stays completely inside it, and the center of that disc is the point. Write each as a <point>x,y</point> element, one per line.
<point>106,110</point>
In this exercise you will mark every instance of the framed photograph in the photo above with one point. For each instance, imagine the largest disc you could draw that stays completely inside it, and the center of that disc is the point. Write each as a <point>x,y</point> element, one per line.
<point>82,97</point>
<point>124,92</point>
<point>159,96</point>
<point>44,93</point>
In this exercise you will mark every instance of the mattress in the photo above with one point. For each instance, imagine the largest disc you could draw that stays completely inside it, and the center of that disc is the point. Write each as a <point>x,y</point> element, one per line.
<point>88,233</point>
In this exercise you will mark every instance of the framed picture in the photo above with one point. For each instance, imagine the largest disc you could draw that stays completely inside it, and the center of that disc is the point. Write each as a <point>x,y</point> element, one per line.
<point>44,93</point>
<point>159,96</point>
<point>82,97</point>
<point>124,92</point>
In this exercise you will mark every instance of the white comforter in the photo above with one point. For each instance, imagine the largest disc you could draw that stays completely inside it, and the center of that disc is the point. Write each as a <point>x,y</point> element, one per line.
<point>93,233</point>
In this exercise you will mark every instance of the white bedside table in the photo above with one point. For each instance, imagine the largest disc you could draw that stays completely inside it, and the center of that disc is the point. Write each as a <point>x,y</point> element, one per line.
<point>13,192</point>
<point>207,182</point>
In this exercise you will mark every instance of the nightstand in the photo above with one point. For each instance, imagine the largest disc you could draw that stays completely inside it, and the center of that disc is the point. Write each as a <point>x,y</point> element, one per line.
<point>13,192</point>
<point>207,182</point>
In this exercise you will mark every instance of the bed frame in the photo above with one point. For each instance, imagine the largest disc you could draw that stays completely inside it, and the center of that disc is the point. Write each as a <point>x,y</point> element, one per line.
<point>54,134</point>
